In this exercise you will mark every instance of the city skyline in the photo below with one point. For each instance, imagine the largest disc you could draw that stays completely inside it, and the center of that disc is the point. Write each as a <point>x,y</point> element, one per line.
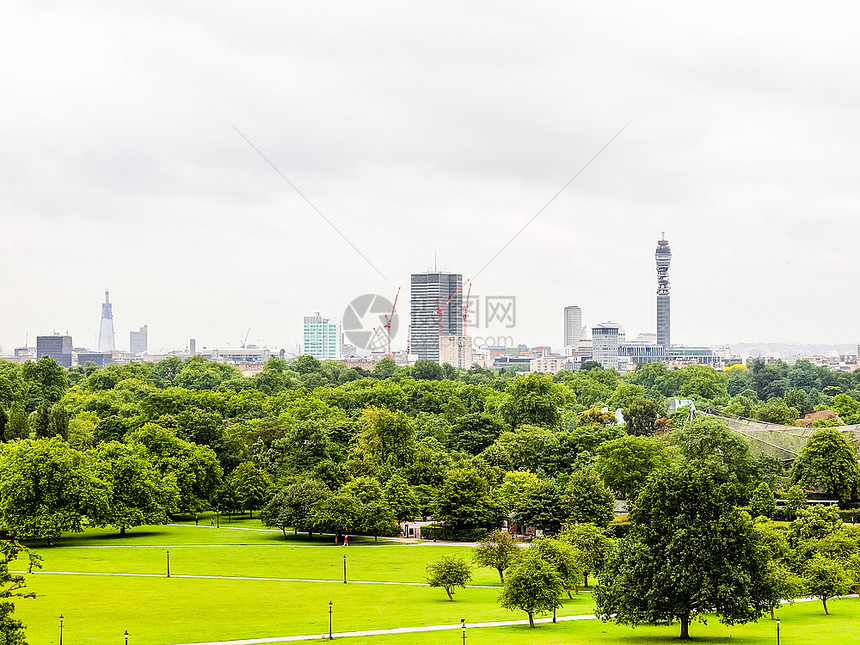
<point>415,139</point>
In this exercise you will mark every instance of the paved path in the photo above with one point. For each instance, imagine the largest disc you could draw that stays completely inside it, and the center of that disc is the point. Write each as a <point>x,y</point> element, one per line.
<point>255,578</point>
<point>382,632</point>
<point>406,630</point>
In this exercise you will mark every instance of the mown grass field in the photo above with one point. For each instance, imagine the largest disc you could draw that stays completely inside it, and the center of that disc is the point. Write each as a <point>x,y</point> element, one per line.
<point>157,610</point>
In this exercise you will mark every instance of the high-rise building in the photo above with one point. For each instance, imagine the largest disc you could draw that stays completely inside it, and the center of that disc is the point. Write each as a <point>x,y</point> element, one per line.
<point>606,338</point>
<point>456,351</point>
<point>432,291</point>
<point>106,336</point>
<point>139,341</point>
<point>323,338</point>
<point>572,325</point>
<point>57,347</point>
<point>663,256</point>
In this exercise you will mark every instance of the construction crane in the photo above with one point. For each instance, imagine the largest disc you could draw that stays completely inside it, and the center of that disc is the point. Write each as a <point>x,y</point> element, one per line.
<point>466,306</point>
<point>441,310</point>
<point>387,324</point>
<point>244,342</point>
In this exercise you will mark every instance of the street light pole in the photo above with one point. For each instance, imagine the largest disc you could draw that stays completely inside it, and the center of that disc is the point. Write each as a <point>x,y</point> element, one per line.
<point>168,564</point>
<point>344,569</point>
<point>329,621</point>
<point>463,623</point>
<point>61,629</point>
<point>777,631</point>
<point>126,637</point>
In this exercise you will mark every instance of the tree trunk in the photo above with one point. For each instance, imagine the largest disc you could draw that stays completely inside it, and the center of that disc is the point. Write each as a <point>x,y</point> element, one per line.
<point>586,578</point>
<point>531,619</point>
<point>568,594</point>
<point>502,575</point>
<point>336,538</point>
<point>122,530</point>
<point>824,601</point>
<point>296,532</point>
<point>284,529</point>
<point>772,616</point>
<point>376,538</point>
<point>448,591</point>
<point>685,628</point>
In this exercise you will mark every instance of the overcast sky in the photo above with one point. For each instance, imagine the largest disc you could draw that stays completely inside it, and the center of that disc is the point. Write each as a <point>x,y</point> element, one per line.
<point>438,128</point>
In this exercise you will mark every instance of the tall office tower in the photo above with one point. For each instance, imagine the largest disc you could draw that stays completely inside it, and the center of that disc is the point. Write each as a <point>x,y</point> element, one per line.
<point>57,347</point>
<point>139,341</point>
<point>663,255</point>
<point>572,326</point>
<point>605,339</point>
<point>323,338</point>
<point>106,337</point>
<point>431,290</point>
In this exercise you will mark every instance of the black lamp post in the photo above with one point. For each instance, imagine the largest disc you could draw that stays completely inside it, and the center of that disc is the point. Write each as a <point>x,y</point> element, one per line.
<point>168,564</point>
<point>777,631</point>
<point>329,621</point>
<point>126,637</point>
<point>61,629</point>
<point>463,623</point>
<point>344,569</point>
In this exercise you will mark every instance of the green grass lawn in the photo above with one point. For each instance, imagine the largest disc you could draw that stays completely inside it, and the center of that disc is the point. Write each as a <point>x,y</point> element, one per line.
<point>161,611</point>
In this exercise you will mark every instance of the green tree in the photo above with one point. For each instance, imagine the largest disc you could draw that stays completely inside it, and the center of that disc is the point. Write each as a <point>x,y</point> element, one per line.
<point>47,488</point>
<point>689,552</point>
<point>376,518</point>
<point>531,448</point>
<point>533,399</point>
<point>449,572</point>
<point>592,546</point>
<point>19,424</point>
<point>497,550</point>
<point>515,487</point>
<point>827,461</point>
<point>563,558</point>
<point>137,494</point>
<point>543,507</point>
<point>640,417</point>
<point>424,370</point>
<point>41,420</point>
<point>386,437</point>
<point>195,468</point>
<point>365,489</point>
<point>589,499</point>
<point>251,485</point>
<point>291,505</point>
<point>763,501</point>
<point>780,582</point>
<point>474,432</point>
<point>58,421</point>
<point>532,586</point>
<point>625,463</point>
<point>464,501</point>
<point>708,443</point>
<point>795,501</point>
<point>826,578</point>
<point>11,586</point>
<point>4,419</point>
<point>402,499</point>
<point>338,515</point>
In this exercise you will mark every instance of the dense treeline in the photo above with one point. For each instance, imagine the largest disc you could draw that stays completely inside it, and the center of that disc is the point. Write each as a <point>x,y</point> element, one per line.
<point>133,443</point>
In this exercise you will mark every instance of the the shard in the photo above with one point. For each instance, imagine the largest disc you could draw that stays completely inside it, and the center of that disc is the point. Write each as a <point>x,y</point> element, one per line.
<point>106,335</point>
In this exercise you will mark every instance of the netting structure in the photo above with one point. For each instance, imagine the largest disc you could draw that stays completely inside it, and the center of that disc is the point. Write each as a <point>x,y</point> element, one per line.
<point>782,442</point>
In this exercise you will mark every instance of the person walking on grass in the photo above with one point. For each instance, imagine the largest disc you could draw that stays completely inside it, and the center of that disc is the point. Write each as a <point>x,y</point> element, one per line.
<point>346,541</point>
